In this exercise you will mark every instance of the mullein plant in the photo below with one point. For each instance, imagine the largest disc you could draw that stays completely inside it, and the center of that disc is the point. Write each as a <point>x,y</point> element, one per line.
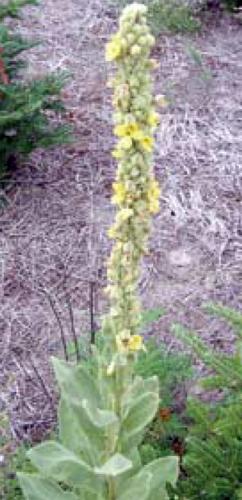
<point>102,418</point>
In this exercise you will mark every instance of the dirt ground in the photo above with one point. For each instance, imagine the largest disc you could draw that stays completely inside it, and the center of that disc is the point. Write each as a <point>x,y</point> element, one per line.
<point>53,241</point>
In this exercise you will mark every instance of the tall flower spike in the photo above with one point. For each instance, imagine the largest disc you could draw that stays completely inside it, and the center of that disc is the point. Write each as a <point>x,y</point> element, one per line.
<point>105,409</point>
<point>135,190</point>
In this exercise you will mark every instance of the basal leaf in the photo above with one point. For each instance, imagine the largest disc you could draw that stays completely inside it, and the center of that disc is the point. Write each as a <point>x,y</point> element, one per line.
<point>36,487</point>
<point>56,462</point>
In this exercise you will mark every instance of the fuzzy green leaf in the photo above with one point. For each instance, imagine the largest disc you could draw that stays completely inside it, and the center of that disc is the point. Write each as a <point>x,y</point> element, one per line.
<point>100,418</point>
<point>60,464</point>
<point>138,387</point>
<point>137,416</point>
<point>76,383</point>
<point>136,488</point>
<point>116,465</point>
<point>72,434</point>
<point>84,418</point>
<point>164,470</point>
<point>36,487</point>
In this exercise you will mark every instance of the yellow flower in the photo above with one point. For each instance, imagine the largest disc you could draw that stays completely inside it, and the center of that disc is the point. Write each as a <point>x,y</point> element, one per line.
<point>153,195</point>
<point>120,130</point>
<point>132,129</point>
<point>145,140</point>
<point>154,189</point>
<point>147,143</point>
<point>113,49</point>
<point>129,130</point>
<point>124,215</point>
<point>154,206</point>
<point>119,193</point>
<point>153,119</point>
<point>135,343</point>
<point>122,341</point>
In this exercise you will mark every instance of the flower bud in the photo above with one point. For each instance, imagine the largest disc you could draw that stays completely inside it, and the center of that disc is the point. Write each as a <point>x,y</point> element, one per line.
<point>135,50</point>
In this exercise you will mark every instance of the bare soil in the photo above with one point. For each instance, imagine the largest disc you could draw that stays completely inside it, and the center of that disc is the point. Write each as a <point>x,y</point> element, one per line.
<point>53,242</point>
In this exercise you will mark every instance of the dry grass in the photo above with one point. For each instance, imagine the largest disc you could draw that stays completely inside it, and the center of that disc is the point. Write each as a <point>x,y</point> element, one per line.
<point>52,240</point>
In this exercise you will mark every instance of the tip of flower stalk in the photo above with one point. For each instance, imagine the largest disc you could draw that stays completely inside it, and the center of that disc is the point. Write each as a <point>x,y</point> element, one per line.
<point>136,7</point>
<point>135,191</point>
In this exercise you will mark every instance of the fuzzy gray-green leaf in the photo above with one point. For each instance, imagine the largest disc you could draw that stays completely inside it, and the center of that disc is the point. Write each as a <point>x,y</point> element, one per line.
<point>116,465</point>
<point>36,487</point>
<point>135,488</point>
<point>75,382</point>
<point>56,462</point>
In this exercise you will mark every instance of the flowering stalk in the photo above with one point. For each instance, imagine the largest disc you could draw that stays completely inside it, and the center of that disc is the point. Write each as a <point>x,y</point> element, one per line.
<point>102,418</point>
<point>135,191</point>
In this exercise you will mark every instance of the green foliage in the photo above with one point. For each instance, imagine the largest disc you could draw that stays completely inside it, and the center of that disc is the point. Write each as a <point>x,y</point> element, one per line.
<point>84,463</point>
<point>172,370</point>
<point>25,108</point>
<point>12,7</point>
<point>9,486</point>
<point>213,461</point>
<point>12,459</point>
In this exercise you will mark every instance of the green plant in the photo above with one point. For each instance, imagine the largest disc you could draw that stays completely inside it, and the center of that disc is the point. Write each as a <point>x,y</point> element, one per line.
<point>172,370</point>
<point>12,458</point>
<point>25,108</point>
<point>102,418</point>
<point>169,426</point>
<point>213,460</point>
<point>15,461</point>
<point>11,8</point>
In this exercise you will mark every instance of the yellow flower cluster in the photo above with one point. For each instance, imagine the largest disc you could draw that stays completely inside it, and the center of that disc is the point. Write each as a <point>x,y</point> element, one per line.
<point>113,49</point>
<point>132,131</point>
<point>120,193</point>
<point>135,190</point>
<point>129,344</point>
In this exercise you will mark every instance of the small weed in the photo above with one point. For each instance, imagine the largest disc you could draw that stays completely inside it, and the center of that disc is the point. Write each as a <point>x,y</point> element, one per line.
<point>12,459</point>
